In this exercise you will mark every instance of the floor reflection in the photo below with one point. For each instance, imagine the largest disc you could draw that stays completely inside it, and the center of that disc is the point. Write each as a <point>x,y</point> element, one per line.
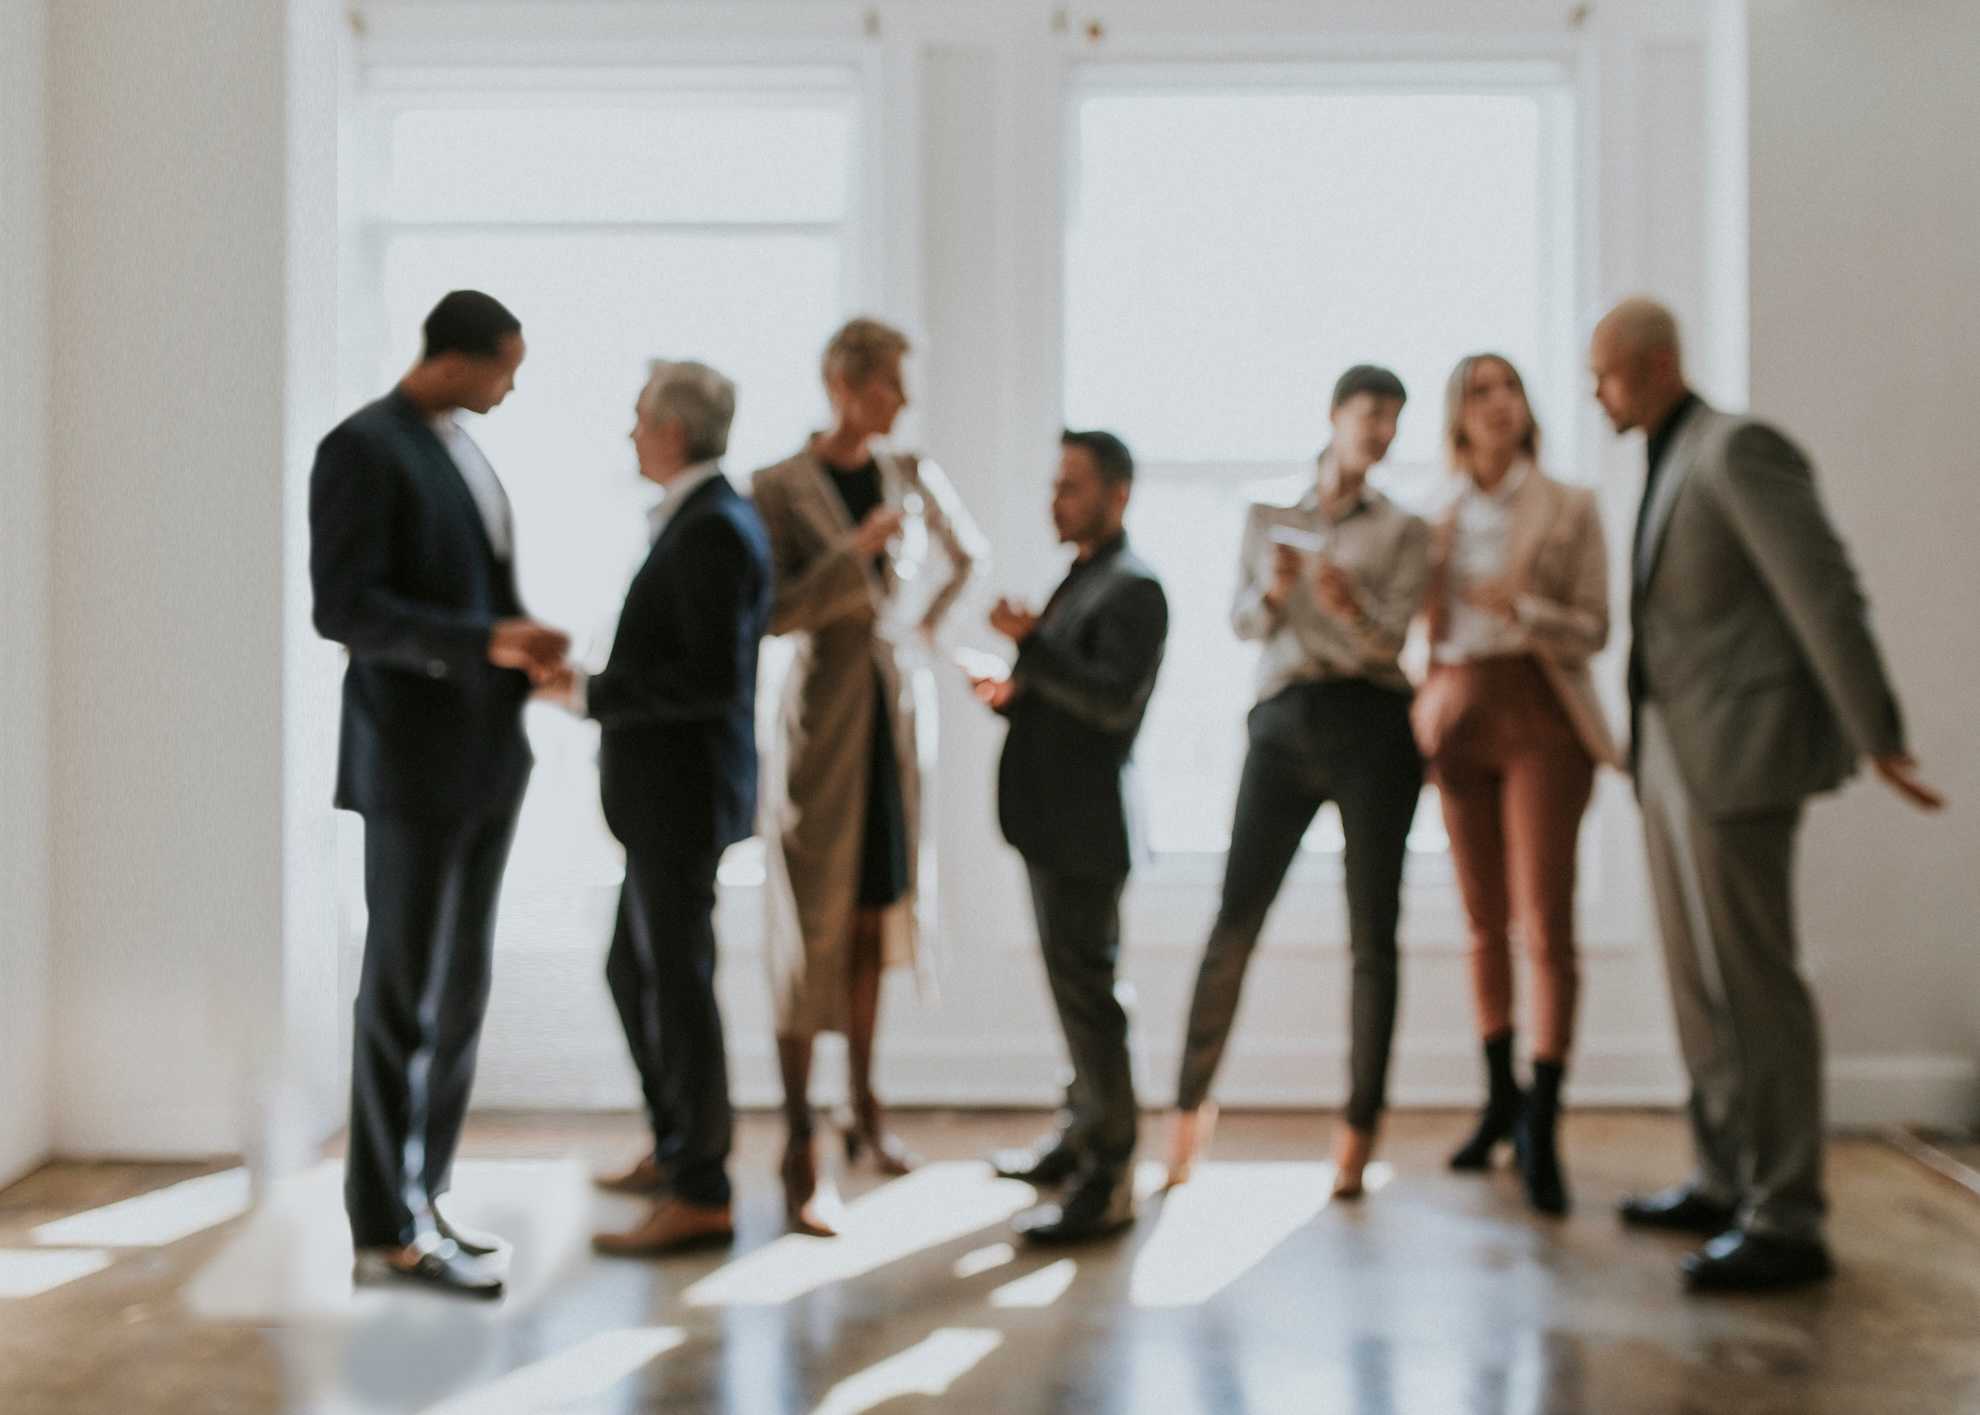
<point>1245,1291</point>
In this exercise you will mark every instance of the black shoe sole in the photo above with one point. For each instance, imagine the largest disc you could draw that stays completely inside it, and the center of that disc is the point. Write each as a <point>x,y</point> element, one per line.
<point>421,1283</point>
<point>1694,1228</point>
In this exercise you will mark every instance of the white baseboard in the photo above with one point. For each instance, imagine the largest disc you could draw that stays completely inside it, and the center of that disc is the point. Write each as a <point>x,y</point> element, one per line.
<point>1940,1092</point>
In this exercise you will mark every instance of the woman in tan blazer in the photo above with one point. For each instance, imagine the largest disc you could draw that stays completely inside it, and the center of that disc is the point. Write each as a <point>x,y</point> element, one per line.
<point>842,787</point>
<point>1512,732</point>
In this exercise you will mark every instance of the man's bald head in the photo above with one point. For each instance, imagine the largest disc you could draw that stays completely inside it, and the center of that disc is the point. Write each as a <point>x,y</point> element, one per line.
<point>1641,325</point>
<point>1638,363</point>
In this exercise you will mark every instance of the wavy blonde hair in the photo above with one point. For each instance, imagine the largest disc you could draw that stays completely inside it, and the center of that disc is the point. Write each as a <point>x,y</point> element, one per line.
<point>1458,390</point>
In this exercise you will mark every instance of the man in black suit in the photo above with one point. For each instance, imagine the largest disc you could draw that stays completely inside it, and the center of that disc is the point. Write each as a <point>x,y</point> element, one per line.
<point>411,561</point>
<point>1075,698</point>
<point>677,770</point>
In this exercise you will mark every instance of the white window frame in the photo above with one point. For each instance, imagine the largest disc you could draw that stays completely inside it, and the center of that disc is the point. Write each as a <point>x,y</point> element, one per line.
<point>1167,905</point>
<point>740,72</point>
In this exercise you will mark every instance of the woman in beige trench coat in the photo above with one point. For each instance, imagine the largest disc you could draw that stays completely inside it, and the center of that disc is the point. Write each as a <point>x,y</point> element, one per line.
<point>842,774</point>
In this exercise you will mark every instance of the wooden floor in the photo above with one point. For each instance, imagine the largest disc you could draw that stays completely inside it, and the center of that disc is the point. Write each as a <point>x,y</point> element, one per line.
<point>1243,1292</point>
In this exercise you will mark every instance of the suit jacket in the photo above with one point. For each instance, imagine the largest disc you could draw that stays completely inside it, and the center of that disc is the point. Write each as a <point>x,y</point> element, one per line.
<point>1558,558</point>
<point>1084,676</point>
<point>676,701</point>
<point>405,578</point>
<point>1752,635</point>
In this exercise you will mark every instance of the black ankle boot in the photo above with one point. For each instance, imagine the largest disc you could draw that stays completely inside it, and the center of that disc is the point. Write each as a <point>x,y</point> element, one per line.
<point>1533,1141</point>
<point>1502,1104</point>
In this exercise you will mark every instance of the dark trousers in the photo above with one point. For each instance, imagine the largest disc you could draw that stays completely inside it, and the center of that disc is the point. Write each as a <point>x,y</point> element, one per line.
<point>662,974</point>
<point>1079,934</point>
<point>430,890</point>
<point>1348,742</point>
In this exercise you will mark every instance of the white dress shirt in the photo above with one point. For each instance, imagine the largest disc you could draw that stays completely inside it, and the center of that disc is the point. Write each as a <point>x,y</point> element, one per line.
<point>482,485</point>
<point>1480,552</point>
<point>676,493</point>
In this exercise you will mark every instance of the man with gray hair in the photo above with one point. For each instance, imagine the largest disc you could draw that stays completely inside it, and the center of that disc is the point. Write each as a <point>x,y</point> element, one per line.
<point>677,771</point>
<point>1754,683</point>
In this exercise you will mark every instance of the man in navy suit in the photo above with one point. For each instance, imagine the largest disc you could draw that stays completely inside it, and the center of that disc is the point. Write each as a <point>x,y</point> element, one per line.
<point>412,564</point>
<point>676,703</point>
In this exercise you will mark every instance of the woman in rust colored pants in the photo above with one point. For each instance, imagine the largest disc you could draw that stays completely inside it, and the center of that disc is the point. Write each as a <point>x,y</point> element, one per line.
<point>1512,732</point>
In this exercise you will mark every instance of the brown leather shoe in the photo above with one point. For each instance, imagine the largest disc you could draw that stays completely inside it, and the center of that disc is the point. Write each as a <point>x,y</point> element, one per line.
<point>646,1177</point>
<point>674,1226</point>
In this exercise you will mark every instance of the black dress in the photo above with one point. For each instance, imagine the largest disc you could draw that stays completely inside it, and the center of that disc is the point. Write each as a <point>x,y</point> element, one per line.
<point>883,868</point>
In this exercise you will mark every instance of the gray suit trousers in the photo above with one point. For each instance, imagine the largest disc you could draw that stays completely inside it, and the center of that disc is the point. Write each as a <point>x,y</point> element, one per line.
<point>1745,1018</point>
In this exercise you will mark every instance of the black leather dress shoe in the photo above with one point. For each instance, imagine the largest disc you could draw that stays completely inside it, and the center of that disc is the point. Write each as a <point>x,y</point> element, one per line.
<point>1677,1210</point>
<point>1051,1161</point>
<point>1097,1205</point>
<point>1756,1262</point>
<point>442,1268</point>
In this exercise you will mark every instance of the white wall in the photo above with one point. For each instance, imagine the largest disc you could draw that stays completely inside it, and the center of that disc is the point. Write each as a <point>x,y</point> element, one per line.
<point>24,601</point>
<point>168,313</point>
<point>183,269</point>
<point>1866,270</point>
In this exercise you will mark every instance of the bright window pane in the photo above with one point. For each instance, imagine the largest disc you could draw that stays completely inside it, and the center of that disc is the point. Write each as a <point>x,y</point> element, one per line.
<point>718,163</point>
<point>1231,252</point>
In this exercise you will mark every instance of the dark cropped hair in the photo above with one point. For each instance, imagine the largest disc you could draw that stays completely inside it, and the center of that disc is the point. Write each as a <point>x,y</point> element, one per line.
<point>1367,378</point>
<point>468,322</point>
<point>1110,455</point>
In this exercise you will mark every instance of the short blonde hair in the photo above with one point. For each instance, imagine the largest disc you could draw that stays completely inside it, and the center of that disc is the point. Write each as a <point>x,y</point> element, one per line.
<point>1458,389</point>
<point>859,350</point>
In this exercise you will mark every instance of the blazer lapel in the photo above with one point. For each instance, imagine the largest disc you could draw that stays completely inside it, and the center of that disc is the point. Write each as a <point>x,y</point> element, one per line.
<point>828,516</point>
<point>1670,487</point>
<point>1535,508</point>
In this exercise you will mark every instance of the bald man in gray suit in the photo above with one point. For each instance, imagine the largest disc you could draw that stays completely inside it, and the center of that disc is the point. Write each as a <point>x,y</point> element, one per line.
<point>1754,683</point>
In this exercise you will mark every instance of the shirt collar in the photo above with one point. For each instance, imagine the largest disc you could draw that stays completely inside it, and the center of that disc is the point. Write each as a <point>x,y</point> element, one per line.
<point>1106,550</point>
<point>691,480</point>
<point>1666,431</point>
<point>1322,498</point>
<point>1506,490</point>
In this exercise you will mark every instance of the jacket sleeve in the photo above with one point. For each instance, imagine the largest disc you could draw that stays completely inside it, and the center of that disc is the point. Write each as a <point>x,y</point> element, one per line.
<point>1570,622</point>
<point>352,500</point>
<point>811,590</point>
<point>1391,600</point>
<point>950,525</point>
<point>1106,686</point>
<point>1768,492</point>
<point>703,680</point>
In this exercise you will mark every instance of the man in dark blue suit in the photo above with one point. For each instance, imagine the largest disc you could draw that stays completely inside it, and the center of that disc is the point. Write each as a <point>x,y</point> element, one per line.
<point>676,703</point>
<point>412,565</point>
